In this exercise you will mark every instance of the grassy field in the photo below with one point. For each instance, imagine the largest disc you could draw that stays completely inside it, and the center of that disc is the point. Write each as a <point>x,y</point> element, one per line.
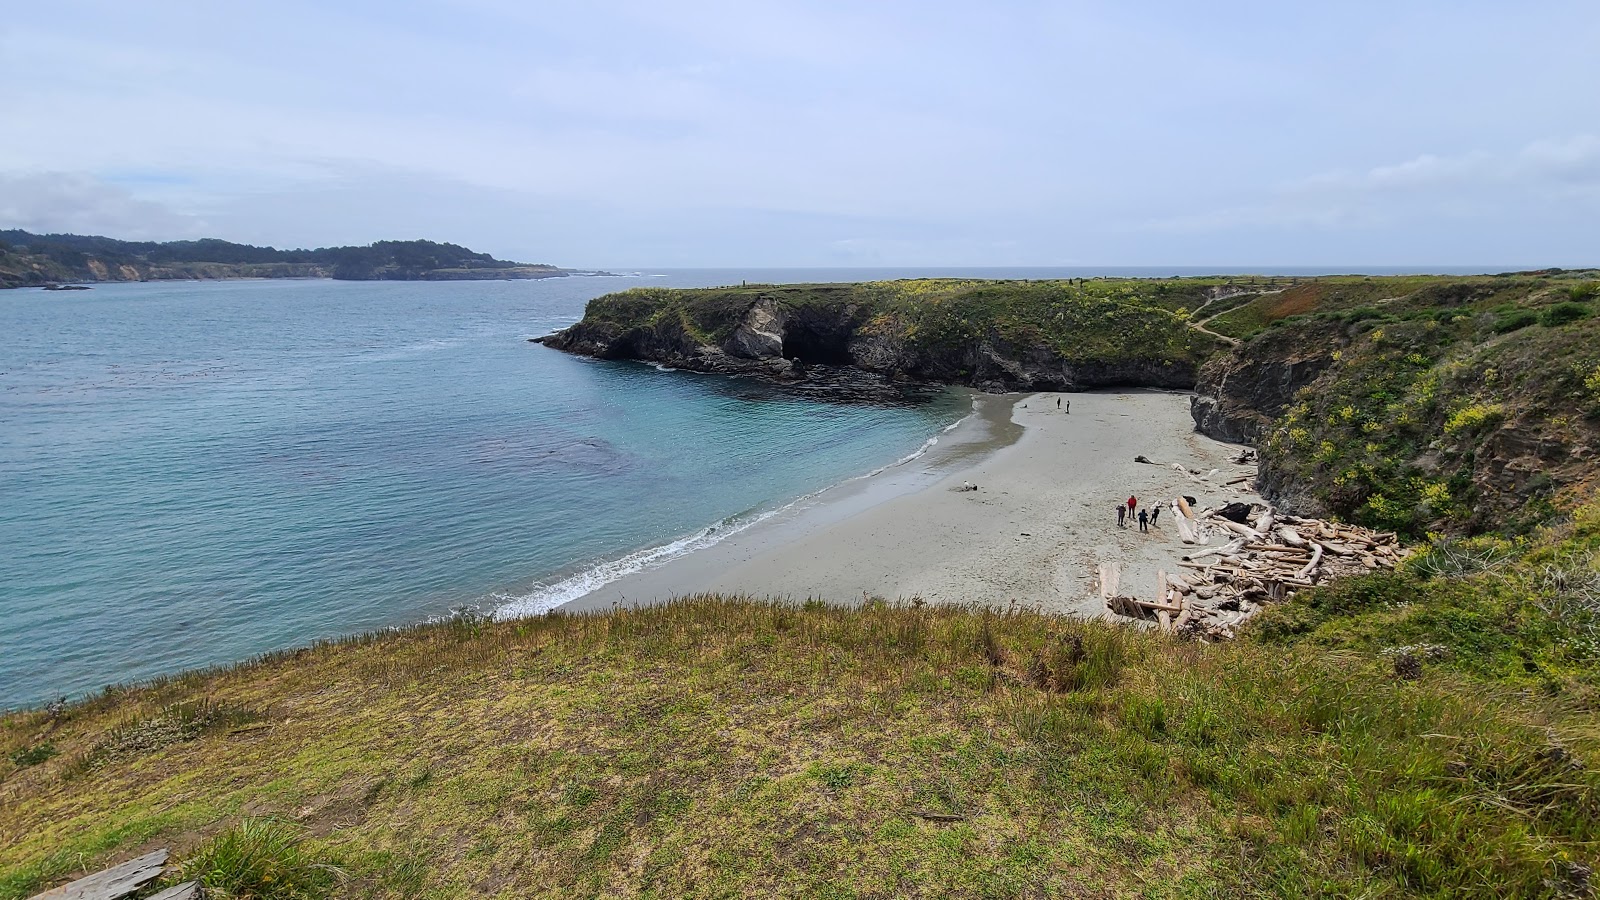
<point>1426,733</point>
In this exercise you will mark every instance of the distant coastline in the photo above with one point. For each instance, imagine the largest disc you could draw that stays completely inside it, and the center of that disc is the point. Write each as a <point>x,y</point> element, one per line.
<point>46,260</point>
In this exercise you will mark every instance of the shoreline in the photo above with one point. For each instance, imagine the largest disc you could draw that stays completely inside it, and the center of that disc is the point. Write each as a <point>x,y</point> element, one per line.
<point>676,565</point>
<point>1033,534</point>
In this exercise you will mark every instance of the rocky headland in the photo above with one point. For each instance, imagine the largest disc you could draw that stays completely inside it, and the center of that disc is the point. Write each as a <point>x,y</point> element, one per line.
<point>994,336</point>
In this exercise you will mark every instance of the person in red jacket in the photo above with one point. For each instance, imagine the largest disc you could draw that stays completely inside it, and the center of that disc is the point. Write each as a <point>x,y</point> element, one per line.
<point>1131,504</point>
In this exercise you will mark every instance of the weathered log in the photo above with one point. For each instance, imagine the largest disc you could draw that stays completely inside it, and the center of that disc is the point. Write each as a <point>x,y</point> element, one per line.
<point>1110,577</point>
<point>1185,613</point>
<point>1236,528</point>
<point>1291,537</point>
<point>1229,548</point>
<point>118,881</point>
<point>1316,557</point>
<point>189,890</point>
<point>1183,507</point>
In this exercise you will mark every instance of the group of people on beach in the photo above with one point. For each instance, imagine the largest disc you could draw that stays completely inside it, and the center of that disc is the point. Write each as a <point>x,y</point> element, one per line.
<point>1146,517</point>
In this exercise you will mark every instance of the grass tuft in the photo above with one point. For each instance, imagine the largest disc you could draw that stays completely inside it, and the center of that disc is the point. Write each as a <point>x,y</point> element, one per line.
<point>263,859</point>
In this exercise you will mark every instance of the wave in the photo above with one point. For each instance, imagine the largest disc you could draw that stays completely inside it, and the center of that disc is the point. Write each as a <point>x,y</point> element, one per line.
<point>547,597</point>
<point>544,598</point>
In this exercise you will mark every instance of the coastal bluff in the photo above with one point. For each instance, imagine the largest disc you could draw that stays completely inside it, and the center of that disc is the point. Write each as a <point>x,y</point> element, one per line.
<point>1414,404</point>
<point>994,336</point>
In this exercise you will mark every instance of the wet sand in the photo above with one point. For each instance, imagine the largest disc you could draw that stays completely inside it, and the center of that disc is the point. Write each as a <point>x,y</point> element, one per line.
<point>1034,533</point>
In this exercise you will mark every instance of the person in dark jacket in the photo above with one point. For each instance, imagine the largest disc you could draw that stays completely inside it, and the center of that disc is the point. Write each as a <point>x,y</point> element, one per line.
<point>1122,515</point>
<point>1155,513</point>
<point>1144,520</point>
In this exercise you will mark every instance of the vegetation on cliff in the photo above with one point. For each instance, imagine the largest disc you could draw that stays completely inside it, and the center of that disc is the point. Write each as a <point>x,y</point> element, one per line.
<point>1003,334</point>
<point>1422,404</point>
<point>28,259</point>
<point>1427,732</point>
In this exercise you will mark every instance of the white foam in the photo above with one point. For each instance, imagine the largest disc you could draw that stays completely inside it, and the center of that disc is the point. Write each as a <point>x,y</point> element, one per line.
<point>546,597</point>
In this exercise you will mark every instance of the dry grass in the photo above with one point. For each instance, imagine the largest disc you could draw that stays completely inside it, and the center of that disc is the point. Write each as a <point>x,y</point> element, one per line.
<point>726,748</point>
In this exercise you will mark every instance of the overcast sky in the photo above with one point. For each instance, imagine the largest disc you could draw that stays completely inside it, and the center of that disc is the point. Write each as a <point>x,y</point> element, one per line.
<point>1456,132</point>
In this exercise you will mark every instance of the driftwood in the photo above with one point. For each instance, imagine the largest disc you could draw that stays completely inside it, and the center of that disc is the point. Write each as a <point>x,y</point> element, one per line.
<point>1266,564</point>
<point>189,890</point>
<point>118,881</point>
<point>1188,528</point>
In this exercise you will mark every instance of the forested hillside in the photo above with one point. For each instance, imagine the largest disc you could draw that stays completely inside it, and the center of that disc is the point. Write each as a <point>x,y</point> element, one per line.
<point>38,259</point>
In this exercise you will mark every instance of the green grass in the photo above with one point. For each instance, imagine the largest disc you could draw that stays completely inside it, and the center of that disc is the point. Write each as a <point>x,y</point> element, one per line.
<point>719,747</point>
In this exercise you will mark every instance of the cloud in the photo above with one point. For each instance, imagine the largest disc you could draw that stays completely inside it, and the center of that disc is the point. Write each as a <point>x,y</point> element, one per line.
<point>1557,172</point>
<point>62,202</point>
<point>1574,160</point>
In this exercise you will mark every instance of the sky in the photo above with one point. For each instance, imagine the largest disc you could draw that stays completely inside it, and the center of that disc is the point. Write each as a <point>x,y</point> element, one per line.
<point>756,133</point>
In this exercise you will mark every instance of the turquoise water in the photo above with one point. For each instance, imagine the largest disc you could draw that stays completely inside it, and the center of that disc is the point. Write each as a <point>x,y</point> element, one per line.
<point>195,473</point>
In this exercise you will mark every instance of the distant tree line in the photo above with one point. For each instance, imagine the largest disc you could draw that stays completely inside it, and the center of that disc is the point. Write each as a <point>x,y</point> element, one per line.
<point>371,261</point>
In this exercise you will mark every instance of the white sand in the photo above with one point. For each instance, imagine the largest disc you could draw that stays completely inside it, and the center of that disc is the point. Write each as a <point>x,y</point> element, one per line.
<point>1034,533</point>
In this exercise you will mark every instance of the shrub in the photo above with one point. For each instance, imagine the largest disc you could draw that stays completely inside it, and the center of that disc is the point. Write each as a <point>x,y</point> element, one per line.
<point>1584,291</point>
<point>263,859</point>
<point>1469,418</point>
<point>1562,313</point>
<point>1508,322</point>
<point>32,756</point>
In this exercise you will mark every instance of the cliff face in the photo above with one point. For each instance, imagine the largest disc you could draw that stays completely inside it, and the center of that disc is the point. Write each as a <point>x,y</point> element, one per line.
<point>1240,394</point>
<point>793,342</point>
<point>1446,411</point>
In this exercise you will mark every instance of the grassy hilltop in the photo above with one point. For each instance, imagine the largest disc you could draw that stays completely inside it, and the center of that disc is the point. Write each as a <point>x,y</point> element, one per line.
<point>1083,321</point>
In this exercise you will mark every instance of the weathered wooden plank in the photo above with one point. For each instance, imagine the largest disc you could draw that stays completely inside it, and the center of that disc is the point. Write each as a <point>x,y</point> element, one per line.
<point>1110,579</point>
<point>189,890</point>
<point>118,881</point>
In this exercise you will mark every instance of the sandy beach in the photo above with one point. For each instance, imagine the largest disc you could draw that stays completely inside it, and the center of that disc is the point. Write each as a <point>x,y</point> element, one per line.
<point>1034,532</point>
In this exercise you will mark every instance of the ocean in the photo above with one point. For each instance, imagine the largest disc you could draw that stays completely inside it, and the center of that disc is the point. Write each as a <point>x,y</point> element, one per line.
<point>196,473</point>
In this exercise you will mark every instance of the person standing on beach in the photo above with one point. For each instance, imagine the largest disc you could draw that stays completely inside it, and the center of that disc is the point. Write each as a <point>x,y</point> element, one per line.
<point>1058,403</point>
<point>1131,504</point>
<point>1122,514</point>
<point>1144,520</point>
<point>1155,513</point>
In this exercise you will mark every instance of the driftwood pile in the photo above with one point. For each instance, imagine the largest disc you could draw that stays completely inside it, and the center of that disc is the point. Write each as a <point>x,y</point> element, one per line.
<point>1267,559</point>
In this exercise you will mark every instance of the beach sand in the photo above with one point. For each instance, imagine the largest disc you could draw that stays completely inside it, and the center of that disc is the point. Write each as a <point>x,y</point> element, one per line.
<point>1034,533</point>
